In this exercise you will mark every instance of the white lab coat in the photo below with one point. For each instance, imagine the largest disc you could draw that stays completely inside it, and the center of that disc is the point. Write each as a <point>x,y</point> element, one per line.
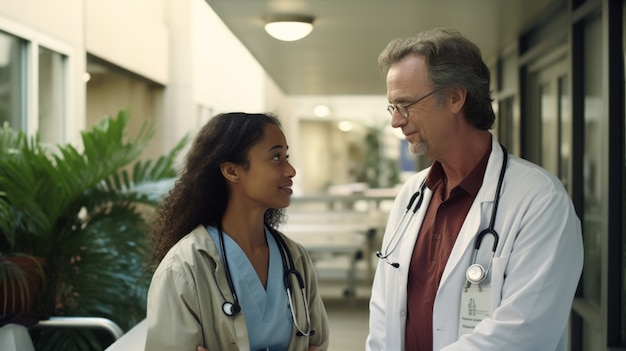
<point>533,276</point>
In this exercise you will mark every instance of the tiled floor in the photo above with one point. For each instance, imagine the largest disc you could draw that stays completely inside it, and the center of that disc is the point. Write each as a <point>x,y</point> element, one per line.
<point>348,318</point>
<point>348,324</point>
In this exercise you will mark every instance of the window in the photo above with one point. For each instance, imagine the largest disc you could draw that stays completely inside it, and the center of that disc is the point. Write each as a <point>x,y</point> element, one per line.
<point>40,108</point>
<point>51,95</point>
<point>594,176</point>
<point>12,81</point>
<point>623,233</point>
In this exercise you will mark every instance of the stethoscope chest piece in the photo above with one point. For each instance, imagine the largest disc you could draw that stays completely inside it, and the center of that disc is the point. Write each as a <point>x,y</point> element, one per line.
<point>475,274</point>
<point>230,309</point>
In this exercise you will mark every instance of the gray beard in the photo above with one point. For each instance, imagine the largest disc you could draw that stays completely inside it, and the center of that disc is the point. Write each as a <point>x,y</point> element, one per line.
<point>418,149</point>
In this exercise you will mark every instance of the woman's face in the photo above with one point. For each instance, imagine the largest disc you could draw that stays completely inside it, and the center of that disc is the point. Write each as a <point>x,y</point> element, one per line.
<point>268,179</point>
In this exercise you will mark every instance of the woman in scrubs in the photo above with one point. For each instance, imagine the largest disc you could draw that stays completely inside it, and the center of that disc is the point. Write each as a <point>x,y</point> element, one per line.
<point>218,284</point>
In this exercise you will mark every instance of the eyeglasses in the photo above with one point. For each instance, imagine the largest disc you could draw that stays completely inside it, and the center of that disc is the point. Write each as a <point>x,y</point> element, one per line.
<point>404,109</point>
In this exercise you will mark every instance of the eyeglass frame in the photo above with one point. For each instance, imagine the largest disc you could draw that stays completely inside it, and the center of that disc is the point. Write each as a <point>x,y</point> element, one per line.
<point>391,108</point>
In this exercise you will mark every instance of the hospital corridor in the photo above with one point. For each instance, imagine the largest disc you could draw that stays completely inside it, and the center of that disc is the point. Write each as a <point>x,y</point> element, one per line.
<point>101,101</point>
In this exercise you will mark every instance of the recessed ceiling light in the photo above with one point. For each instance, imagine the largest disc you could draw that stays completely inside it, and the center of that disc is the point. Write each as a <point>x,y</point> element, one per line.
<point>345,126</point>
<point>321,111</point>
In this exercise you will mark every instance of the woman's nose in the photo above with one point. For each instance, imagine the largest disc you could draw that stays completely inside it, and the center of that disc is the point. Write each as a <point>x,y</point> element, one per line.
<point>291,171</point>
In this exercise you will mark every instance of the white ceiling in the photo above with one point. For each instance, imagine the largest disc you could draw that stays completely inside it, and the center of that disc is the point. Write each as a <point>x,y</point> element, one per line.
<point>339,56</point>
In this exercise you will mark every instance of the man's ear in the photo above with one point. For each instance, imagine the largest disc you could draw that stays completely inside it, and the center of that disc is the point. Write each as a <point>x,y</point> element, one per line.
<point>230,171</point>
<point>457,99</point>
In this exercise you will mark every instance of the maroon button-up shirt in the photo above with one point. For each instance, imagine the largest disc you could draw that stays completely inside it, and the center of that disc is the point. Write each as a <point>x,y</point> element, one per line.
<point>440,228</point>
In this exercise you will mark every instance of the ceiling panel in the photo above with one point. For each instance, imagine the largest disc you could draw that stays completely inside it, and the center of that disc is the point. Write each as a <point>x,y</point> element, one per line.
<point>339,56</point>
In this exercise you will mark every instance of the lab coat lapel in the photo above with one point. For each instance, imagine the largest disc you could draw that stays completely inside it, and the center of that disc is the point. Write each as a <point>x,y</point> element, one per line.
<point>478,216</point>
<point>209,242</point>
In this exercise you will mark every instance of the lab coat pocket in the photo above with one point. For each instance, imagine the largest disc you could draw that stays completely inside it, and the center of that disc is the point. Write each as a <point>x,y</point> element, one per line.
<point>498,269</point>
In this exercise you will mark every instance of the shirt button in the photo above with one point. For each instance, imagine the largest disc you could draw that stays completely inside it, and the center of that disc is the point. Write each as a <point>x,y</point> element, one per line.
<point>437,236</point>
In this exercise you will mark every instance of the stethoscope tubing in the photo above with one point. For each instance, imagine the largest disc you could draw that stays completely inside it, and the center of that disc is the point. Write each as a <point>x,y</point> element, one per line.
<point>403,223</point>
<point>289,270</point>
<point>475,273</point>
<point>229,308</point>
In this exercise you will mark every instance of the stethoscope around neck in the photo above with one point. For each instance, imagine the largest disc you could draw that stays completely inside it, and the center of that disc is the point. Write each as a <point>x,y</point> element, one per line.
<point>289,270</point>
<point>475,273</point>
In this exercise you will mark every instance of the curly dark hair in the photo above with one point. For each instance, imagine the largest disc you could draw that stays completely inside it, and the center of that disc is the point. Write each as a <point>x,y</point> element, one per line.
<point>452,61</point>
<point>200,194</point>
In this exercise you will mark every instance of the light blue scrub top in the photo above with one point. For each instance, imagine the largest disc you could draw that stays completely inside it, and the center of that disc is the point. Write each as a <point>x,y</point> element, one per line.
<point>267,313</point>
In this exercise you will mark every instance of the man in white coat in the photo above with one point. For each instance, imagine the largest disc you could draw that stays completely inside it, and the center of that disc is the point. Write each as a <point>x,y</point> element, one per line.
<point>492,256</point>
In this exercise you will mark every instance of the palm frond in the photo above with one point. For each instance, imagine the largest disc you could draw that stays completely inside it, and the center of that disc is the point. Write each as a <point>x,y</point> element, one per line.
<point>84,210</point>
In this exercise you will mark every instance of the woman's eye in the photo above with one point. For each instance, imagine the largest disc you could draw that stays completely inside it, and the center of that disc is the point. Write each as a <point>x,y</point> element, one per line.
<point>278,156</point>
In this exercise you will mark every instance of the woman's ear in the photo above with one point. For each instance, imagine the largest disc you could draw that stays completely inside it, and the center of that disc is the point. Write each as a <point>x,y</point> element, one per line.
<point>229,171</point>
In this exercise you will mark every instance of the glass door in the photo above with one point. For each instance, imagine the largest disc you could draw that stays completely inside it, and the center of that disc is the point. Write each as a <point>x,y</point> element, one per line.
<point>548,121</point>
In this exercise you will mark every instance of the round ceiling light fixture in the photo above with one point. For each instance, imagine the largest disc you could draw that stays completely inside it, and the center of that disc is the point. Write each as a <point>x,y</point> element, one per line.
<point>321,111</point>
<point>288,27</point>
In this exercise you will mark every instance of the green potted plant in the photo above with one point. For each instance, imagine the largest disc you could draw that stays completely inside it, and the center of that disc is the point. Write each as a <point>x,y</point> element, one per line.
<point>20,276</point>
<point>84,212</point>
<point>380,171</point>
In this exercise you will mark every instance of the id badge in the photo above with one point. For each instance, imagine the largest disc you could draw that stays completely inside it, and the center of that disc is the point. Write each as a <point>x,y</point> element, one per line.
<point>475,306</point>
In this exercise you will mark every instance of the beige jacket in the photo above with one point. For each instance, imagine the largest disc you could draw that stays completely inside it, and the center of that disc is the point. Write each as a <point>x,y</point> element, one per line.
<point>187,292</point>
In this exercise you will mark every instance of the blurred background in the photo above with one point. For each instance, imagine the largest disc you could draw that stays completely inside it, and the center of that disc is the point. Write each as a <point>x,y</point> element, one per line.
<point>558,86</point>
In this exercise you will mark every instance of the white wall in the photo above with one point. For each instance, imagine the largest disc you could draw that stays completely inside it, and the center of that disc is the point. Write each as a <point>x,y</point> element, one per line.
<point>129,33</point>
<point>210,69</point>
<point>59,19</point>
<point>227,77</point>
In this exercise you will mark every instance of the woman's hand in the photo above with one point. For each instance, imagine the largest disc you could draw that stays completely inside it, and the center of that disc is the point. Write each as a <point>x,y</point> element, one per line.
<point>200,348</point>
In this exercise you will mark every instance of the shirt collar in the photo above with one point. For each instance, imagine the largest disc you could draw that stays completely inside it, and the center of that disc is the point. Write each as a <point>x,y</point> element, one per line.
<point>470,184</point>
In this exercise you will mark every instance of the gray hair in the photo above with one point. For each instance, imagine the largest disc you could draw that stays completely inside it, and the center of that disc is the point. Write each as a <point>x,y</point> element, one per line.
<point>453,61</point>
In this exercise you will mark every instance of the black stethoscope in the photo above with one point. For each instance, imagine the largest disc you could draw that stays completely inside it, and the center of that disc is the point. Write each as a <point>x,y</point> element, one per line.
<point>289,269</point>
<point>475,273</point>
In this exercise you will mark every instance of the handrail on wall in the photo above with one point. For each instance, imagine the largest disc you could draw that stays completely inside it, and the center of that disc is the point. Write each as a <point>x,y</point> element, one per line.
<point>81,322</point>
